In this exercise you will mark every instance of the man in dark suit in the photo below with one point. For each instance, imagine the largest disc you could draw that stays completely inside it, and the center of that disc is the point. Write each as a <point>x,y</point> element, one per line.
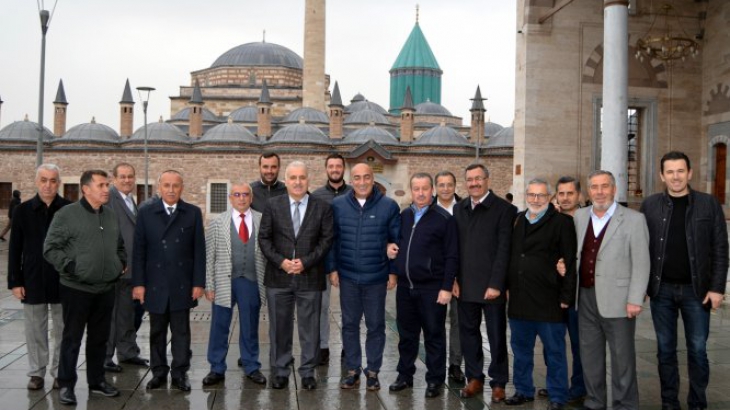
<point>123,334</point>
<point>296,233</point>
<point>169,276</point>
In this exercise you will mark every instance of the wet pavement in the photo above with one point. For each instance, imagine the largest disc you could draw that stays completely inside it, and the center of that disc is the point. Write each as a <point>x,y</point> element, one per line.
<point>240,393</point>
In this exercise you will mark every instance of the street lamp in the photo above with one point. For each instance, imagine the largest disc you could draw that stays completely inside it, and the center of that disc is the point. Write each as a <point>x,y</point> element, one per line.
<point>144,96</point>
<point>45,16</point>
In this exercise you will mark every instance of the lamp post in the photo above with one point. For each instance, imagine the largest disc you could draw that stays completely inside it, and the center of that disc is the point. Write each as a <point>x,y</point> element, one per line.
<point>45,16</point>
<point>144,96</point>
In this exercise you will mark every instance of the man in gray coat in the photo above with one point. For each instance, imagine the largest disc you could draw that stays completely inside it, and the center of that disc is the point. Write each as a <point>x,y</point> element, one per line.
<point>613,273</point>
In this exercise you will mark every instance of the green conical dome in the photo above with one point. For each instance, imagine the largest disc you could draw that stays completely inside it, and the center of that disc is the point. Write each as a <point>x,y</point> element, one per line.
<point>416,53</point>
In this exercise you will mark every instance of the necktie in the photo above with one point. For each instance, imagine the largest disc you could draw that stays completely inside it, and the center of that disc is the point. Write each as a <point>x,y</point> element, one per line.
<point>474,204</point>
<point>243,230</point>
<point>130,204</point>
<point>296,219</point>
<point>170,209</point>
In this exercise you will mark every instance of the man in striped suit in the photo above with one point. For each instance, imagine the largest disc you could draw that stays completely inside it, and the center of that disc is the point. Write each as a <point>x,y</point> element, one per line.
<point>234,276</point>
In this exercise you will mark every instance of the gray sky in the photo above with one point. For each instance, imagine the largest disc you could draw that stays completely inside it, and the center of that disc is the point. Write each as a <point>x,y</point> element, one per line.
<point>95,45</point>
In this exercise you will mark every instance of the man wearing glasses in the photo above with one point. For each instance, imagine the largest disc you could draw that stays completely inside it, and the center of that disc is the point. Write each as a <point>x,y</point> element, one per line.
<point>234,276</point>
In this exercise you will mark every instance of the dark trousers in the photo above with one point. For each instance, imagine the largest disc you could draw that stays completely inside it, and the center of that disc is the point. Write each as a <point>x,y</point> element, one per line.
<point>90,311</point>
<point>123,335</point>
<point>179,324</point>
<point>470,321</point>
<point>665,309</point>
<point>417,310</point>
<point>357,301</point>
<point>577,385</point>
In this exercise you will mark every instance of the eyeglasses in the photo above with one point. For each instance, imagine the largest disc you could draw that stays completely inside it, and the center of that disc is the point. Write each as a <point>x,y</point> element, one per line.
<point>240,194</point>
<point>541,197</point>
<point>475,179</point>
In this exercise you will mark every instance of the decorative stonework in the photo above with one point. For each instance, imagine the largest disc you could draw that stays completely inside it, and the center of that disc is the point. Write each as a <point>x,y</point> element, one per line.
<point>719,101</point>
<point>641,73</point>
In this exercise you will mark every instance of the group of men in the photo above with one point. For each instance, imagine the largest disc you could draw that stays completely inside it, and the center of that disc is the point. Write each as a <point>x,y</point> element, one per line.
<point>545,270</point>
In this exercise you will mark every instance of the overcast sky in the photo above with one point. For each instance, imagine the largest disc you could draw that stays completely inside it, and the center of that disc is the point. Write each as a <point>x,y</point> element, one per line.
<point>95,45</point>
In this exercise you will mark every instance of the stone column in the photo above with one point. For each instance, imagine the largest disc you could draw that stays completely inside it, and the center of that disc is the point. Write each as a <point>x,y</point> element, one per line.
<point>314,54</point>
<point>614,139</point>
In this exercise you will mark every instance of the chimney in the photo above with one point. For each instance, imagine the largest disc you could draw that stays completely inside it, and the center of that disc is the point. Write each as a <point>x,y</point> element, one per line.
<point>336,112</point>
<point>195,116</point>
<point>59,115</point>
<point>407,120</point>
<point>263,114</point>
<point>476,133</point>
<point>126,112</point>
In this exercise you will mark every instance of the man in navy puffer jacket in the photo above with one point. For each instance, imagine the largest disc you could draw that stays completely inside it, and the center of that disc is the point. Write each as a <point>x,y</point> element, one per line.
<point>366,222</point>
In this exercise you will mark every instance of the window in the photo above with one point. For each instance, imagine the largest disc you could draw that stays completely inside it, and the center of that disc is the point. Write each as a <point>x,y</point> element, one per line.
<point>140,193</point>
<point>6,193</point>
<point>217,197</point>
<point>71,192</point>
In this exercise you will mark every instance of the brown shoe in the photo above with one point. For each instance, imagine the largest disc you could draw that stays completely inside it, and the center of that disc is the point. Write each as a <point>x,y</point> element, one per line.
<point>56,386</point>
<point>35,383</point>
<point>498,394</point>
<point>473,388</point>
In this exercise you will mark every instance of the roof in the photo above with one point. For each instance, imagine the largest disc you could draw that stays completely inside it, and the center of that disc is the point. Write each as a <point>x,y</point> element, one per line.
<point>91,132</point>
<point>259,54</point>
<point>431,108</point>
<point>24,130</point>
<point>336,99</point>
<point>365,105</point>
<point>60,94</point>
<point>300,133</point>
<point>408,99</point>
<point>229,132</point>
<point>491,129</point>
<point>245,114</point>
<point>310,115</point>
<point>264,97</point>
<point>184,115</point>
<point>441,135</point>
<point>127,95</point>
<point>368,133</point>
<point>161,131</point>
<point>367,117</point>
<point>478,103</point>
<point>416,52</point>
<point>197,97</point>
<point>503,139</point>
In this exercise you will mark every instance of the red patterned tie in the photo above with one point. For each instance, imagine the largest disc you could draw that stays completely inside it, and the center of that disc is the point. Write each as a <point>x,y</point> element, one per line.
<point>243,230</point>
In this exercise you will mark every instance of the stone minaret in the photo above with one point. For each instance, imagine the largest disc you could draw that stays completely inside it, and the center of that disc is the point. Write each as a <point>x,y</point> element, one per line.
<point>59,113</point>
<point>314,54</point>
<point>336,112</point>
<point>126,112</point>
<point>476,133</point>
<point>263,113</point>
<point>195,116</point>
<point>406,117</point>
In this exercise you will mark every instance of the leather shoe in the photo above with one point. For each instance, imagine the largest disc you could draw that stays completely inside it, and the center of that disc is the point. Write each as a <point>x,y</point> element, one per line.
<point>456,374</point>
<point>433,390</point>
<point>35,383</point>
<point>104,389</point>
<point>137,361</point>
<point>157,382</point>
<point>498,394</point>
<point>181,383</point>
<point>518,399</point>
<point>308,383</point>
<point>213,378</point>
<point>257,377</point>
<point>555,406</point>
<point>473,388</point>
<point>67,396</point>
<point>279,382</point>
<point>542,393</point>
<point>401,383</point>
<point>324,357</point>
<point>110,366</point>
<point>56,386</point>
<point>240,363</point>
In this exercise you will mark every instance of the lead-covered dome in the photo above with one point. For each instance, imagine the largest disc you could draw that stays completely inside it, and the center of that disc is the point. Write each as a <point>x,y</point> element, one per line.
<point>491,129</point>
<point>24,130</point>
<point>300,133</point>
<point>431,108</point>
<point>442,135</point>
<point>184,115</point>
<point>259,54</point>
<point>245,114</point>
<point>229,132</point>
<point>368,133</point>
<point>366,117</point>
<point>308,114</point>
<point>503,139</point>
<point>160,131</point>
<point>91,132</point>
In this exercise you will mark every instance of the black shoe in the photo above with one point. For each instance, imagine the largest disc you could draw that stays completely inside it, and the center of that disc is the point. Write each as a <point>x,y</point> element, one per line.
<point>104,389</point>
<point>518,399</point>
<point>213,378</point>
<point>555,406</point>
<point>456,374</point>
<point>257,377</point>
<point>433,390</point>
<point>56,386</point>
<point>137,361</point>
<point>67,396</point>
<point>181,383</point>
<point>110,366</point>
<point>157,382</point>
<point>279,382</point>
<point>308,383</point>
<point>240,363</point>
<point>543,393</point>
<point>324,357</point>
<point>2,239</point>
<point>401,383</point>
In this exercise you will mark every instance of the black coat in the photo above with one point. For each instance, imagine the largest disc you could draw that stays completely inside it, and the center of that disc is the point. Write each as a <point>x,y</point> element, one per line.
<point>484,241</point>
<point>26,265</point>
<point>536,289</point>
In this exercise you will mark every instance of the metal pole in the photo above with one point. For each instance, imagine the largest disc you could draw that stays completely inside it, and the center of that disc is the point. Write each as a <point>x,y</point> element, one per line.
<point>45,16</point>
<point>146,157</point>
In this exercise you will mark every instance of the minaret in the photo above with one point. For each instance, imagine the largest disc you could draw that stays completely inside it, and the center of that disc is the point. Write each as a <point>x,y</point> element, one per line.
<point>195,116</point>
<point>59,115</point>
<point>126,112</point>
<point>476,133</point>
<point>336,112</point>
<point>263,113</point>
<point>1,110</point>
<point>314,54</point>
<point>406,117</point>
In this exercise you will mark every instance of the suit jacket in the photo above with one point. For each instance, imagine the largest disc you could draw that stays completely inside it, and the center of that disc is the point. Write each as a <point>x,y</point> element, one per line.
<point>277,241</point>
<point>622,263</point>
<point>169,256</point>
<point>127,221</point>
<point>218,257</point>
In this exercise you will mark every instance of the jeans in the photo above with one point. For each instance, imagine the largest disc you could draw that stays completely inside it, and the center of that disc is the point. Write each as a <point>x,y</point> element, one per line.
<point>355,301</point>
<point>665,307</point>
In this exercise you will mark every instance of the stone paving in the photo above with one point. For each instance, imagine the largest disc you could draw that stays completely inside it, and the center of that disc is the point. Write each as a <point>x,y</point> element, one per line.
<point>240,393</point>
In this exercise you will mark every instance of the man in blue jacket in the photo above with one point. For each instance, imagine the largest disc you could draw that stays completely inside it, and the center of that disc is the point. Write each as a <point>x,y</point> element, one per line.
<point>366,222</point>
<point>427,260</point>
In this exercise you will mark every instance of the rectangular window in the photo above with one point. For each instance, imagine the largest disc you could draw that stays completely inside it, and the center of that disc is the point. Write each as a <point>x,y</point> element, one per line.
<point>218,197</point>
<point>6,193</point>
<point>71,192</point>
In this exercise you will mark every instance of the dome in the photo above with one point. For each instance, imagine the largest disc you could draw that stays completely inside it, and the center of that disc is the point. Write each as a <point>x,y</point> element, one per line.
<point>310,115</point>
<point>301,133</point>
<point>245,114</point>
<point>184,115</point>
<point>229,132</point>
<point>357,98</point>
<point>259,54</point>
<point>365,105</point>
<point>503,139</point>
<point>91,132</point>
<point>491,129</point>
<point>368,133</point>
<point>24,130</point>
<point>160,131</point>
<point>366,116</point>
<point>441,135</point>
<point>431,108</point>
